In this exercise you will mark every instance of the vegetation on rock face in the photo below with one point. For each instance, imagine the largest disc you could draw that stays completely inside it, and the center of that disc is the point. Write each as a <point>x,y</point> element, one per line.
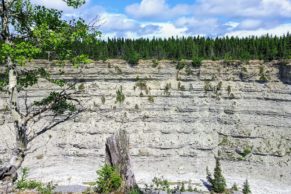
<point>108,180</point>
<point>196,62</point>
<point>120,97</point>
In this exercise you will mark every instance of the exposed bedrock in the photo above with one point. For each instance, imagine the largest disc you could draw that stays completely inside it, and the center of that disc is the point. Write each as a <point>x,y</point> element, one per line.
<point>177,122</point>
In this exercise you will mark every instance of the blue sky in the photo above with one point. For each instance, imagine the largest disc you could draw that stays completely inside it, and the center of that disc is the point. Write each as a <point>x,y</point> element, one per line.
<point>165,18</point>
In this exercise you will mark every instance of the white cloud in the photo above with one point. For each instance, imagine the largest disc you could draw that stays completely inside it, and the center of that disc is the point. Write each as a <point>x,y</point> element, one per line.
<point>55,4</point>
<point>245,8</point>
<point>117,22</point>
<point>231,25</point>
<point>195,26</point>
<point>250,24</point>
<point>278,31</point>
<point>156,9</point>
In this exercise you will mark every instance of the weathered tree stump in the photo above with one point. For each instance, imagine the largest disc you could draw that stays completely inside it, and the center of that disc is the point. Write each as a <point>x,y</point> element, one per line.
<point>117,155</point>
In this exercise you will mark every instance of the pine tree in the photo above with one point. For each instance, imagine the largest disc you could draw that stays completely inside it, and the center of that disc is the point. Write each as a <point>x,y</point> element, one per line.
<point>246,187</point>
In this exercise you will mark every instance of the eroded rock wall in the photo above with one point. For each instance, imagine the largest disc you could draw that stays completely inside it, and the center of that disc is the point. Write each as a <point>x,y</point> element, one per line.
<point>177,122</point>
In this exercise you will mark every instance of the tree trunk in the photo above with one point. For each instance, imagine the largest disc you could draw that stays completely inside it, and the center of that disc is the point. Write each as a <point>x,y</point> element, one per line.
<point>117,155</point>
<point>8,173</point>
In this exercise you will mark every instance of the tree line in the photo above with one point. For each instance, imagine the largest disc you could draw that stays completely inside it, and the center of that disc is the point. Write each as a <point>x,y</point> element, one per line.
<point>264,47</point>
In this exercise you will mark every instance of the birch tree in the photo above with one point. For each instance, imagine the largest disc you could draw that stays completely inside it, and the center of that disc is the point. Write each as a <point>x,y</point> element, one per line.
<point>28,31</point>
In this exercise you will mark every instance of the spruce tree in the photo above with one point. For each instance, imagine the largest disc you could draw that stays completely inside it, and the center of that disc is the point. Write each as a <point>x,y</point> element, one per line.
<point>218,183</point>
<point>246,187</point>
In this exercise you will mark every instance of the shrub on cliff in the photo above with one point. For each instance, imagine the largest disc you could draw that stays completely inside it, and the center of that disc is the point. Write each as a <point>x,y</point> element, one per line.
<point>108,180</point>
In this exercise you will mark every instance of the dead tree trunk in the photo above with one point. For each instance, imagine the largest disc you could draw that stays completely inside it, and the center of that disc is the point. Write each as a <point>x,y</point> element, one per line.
<point>117,155</point>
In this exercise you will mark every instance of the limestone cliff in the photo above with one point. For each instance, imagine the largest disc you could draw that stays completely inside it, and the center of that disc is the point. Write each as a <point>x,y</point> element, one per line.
<point>177,122</point>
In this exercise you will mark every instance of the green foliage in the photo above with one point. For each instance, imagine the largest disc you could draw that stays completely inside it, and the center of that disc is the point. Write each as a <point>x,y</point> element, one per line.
<point>219,85</point>
<point>3,80</point>
<point>207,86</point>
<point>180,65</point>
<point>103,99</point>
<point>167,89</point>
<point>24,184</point>
<point>109,179</point>
<point>120,97</point>
<point>246,187</point>
<point>181,87</point>
<point>197,48</point>
<point>218,183</point>
<point>246,151</point>
<point>234,187</point>
<point>57,102</point>
<point>196,62</point>
<point>81,59</point>
<point>188,70</point>
<point>262,74</point>
<point>132,57</point>
<point>142,85</point>
<point>183,187</point>
<point>81,87</point>
<point>155,63</point>
<point>135,190</point>
<point>161,184</point>
<point>151,99</point>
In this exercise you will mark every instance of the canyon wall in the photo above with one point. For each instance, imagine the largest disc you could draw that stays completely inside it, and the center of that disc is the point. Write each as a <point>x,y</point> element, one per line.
<point>177,122</point>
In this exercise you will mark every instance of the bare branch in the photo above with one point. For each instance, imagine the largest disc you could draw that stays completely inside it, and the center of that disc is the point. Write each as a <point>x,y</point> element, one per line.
<point>53,124</point>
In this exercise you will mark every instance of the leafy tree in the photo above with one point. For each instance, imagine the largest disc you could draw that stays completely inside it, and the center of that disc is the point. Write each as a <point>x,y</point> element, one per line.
<point>28,31</point>
<point>246,187</point>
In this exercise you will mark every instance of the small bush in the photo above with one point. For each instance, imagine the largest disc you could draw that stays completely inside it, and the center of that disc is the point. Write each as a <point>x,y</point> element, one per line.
<point>135,190</point>
<point>155,63</point>
<point>24,184</point>
<point>81,87</point>
<point>161,184</point>
<point>120,97</point>
<point>181,64</point>
<point>207,86</point>
<point>108,180</point>
<point>196,62</point>
<point>142,85</point>
<point>246,188</point>
<point>151,99</point>
<point>234,187</point>
<point>118,70</point>
<point>103,99</point>
<point>188,70</point>
<point>167,89</point>
<point>247,150</point>
<point>132,58</point>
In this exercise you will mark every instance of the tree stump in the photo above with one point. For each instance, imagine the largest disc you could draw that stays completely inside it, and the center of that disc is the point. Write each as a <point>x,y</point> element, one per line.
<point>117,155</point>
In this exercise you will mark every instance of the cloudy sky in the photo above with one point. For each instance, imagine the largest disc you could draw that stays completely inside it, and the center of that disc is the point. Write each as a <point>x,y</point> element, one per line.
<point>165,18</point>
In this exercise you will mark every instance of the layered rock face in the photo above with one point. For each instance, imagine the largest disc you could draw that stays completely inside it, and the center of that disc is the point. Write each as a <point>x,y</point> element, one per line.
<point>177,122</point>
